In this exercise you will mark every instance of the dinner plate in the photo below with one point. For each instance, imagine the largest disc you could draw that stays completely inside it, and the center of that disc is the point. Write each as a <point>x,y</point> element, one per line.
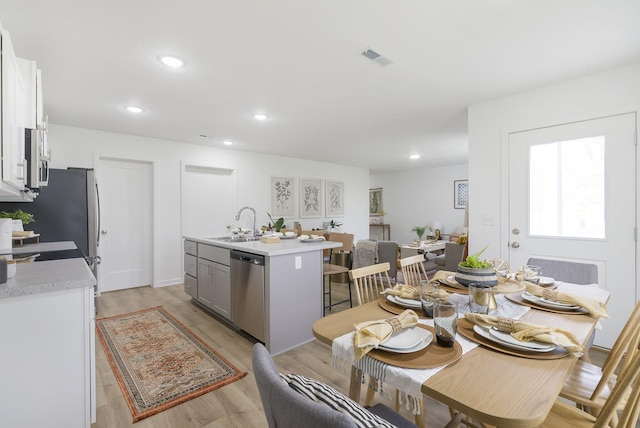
<point>548,303</point>
<point>405,303</point>
<point>311,239</point>
<point>451,281</point>
<point>520,346</point>
<point>288,237</point>
<point>506,337</point>
<point>400,342</point>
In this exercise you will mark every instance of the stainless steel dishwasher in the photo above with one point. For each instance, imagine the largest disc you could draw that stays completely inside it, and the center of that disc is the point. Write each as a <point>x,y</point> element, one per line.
<point>247,292</point>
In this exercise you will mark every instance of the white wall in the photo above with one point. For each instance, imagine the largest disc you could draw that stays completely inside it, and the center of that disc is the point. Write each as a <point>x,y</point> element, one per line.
<point>418,198</point>
<point>610,92</point>
<point>78,147</point>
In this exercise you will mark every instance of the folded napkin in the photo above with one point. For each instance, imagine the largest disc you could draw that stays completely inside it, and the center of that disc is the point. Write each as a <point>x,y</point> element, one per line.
<point>370,334</point>
<point>597,309</point>
<point>410,292</point>
<point>525,332</point>
<point>442,274</point>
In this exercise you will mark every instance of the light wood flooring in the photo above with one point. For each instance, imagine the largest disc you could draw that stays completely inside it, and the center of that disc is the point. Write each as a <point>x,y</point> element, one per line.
<point>234,405</point>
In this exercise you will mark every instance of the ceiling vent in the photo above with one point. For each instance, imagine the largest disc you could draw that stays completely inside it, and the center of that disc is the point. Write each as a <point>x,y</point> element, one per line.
<point>376,57</point>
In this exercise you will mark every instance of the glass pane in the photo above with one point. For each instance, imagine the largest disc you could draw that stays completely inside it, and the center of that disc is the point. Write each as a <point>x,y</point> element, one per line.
<point>566,189</point>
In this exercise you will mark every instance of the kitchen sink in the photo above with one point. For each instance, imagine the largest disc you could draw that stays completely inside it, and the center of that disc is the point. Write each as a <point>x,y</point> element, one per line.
<point>235,238</point>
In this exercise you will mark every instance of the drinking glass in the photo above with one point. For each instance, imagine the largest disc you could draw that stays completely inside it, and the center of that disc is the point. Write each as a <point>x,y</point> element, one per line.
<point>445,320</point>
<point>479,298</point>
<point>429,291</point>
<point>531,273</point>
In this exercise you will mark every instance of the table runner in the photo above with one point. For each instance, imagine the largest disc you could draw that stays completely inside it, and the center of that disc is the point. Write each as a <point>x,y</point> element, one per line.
<point>409,381</point>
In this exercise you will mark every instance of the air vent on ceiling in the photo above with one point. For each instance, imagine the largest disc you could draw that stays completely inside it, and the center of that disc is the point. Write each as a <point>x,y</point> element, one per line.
<point>376,57</point>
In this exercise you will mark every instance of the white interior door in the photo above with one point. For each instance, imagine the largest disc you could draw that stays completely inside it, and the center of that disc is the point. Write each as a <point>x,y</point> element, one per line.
<point>572,197</point>
<point>126,234</point>
<point>207,200</point>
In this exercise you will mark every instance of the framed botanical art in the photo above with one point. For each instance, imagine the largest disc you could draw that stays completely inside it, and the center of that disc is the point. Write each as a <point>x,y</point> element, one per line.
<point>334,202</point>
<point>310,197</point>
<point>460,193</point>
<point>375,201</point>
<point>282,197</point>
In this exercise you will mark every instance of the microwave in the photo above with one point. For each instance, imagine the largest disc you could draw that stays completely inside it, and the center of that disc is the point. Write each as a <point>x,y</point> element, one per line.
<point>38,158</point>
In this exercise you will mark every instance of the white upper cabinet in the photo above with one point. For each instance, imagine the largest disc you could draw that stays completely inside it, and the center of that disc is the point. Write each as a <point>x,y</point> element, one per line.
<point>13,98</point>
<point>32,78</point>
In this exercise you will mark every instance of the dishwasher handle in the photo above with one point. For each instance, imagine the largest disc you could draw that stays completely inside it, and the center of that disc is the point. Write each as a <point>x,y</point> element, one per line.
<point>241,256</point>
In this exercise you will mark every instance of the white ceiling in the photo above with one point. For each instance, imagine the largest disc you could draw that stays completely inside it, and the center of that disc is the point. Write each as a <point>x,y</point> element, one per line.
<point>300,62</point>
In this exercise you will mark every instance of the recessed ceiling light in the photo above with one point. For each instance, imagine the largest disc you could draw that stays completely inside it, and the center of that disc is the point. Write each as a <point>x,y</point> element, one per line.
<point>414,156</point>
<point>133,109</point>
<point>227,142</point>
<point>260,116</point>
<point>171,61</point>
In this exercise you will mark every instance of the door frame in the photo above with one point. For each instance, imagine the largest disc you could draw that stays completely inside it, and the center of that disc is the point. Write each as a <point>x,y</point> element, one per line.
<point>97,158</point>
<point>550,122</point>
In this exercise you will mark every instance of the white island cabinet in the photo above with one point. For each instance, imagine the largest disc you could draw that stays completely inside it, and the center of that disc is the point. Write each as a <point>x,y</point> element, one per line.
<point>47,346</point>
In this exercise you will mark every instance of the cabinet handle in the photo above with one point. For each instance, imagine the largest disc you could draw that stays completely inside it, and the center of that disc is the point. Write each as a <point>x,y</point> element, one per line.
<point>22,167</point>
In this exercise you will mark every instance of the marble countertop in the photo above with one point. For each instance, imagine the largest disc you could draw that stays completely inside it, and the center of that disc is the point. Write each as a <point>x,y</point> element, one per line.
<point>48,276</point>
<point>285,246</point>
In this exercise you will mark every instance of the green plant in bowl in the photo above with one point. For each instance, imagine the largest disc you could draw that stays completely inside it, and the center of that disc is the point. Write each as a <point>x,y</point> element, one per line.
<point>419,230</point>
<point>473,270</point>
<point>473,261</point>
<point>277,224</point>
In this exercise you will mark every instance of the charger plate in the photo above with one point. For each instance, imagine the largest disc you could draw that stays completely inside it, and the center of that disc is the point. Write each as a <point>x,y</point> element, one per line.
<point>430,357</point>
<point>395,309</point>
<point>517,298</point>
<point>465,328</point>
<point>450,285</point>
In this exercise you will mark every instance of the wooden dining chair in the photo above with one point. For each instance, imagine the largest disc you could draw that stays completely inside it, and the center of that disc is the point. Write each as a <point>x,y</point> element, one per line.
<point>370,281</point>
<point>413,270</point>
<point>330,269</point>
<point>588,385</point>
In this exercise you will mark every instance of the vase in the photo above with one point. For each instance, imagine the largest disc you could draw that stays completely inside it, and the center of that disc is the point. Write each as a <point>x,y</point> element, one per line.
<point>485,276</point>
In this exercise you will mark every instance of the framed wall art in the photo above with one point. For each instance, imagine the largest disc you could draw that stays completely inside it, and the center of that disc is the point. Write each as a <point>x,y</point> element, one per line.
<point>375,201</point>
<point>334,199</point>
<point>310,198</point>
<point>282,197</point>
<point>460,193</point>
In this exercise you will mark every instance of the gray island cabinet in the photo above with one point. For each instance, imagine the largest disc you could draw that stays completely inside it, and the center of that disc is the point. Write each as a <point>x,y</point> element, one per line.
<point>293,284</point>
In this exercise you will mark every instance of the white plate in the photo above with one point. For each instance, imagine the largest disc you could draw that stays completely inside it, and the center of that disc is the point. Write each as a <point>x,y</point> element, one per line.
<point>451,282</point>
<point>485,332</point>
<point>506,337</point>
<point>548,303</point>
<point>288,237</point>
<point>405,303</point>
<point>545,281</point>
<point>404,339</point>
<point>311,239</point>
<point>425,338</point>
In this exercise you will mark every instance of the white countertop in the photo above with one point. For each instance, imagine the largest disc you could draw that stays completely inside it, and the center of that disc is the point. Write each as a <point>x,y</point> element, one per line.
<point>42,247</point>
<point>285,246</point>
<point>48,276</point>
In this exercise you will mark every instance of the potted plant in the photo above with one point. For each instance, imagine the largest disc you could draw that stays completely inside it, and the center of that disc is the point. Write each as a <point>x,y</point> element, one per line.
<point>333,225</point>
<point>277,224</point>
<point>472,269</point>
<point>18,214</point>
<point>420,230</point>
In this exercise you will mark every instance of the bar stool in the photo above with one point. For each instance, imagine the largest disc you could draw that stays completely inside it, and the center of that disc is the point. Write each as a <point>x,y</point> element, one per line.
<point>330,269</point>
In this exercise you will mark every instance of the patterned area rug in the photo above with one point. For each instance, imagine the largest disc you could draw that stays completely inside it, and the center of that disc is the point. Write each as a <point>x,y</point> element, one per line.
<point>158,362</point>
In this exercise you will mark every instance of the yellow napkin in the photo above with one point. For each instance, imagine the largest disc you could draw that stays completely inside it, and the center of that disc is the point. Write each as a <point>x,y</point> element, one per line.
<point>370,334</point>
<point>410,292</point>
<point>596,308</point>
<point>525,332</point>
<point>442,274</point>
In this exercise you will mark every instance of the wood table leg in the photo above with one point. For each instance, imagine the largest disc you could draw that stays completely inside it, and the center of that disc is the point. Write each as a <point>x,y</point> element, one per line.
<point>355,384</point>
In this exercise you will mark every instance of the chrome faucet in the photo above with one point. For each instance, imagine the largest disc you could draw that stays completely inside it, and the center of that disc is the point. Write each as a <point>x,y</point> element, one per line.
<point>254,218</point>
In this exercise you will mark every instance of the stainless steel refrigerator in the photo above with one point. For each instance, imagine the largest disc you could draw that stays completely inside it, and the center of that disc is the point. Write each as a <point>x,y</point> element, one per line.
<point>68,209</point>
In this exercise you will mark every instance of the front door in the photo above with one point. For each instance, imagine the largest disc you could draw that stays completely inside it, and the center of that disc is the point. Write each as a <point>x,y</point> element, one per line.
<point>126,238</point>
<point>572,197</point>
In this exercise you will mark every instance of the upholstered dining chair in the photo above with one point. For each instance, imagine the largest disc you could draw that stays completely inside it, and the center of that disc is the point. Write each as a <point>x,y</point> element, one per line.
<point>330,269</point>
<point>453,254</point>
<point>573,272</point>
<point>588,385</point>
<point>370,281</point>
<point>413,270</point>
<point>314,404</point>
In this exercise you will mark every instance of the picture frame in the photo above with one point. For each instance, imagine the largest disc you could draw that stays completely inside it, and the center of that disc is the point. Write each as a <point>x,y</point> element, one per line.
<point>460,193</point>
<point>375,202</point>
<point>282,195</point>
<point>334,198</point>
<point>311,198</point>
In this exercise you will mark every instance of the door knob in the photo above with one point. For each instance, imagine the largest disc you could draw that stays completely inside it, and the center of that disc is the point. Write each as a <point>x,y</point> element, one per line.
<point>104,232</point>
<point>515,245</point>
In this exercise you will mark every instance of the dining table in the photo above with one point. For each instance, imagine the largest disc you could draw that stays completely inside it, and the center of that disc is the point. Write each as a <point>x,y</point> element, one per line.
<point>496,388</point>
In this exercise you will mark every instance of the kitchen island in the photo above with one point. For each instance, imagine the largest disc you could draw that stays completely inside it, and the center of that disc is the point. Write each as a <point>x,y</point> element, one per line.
<point>47,330</point>
<point>292,296</point>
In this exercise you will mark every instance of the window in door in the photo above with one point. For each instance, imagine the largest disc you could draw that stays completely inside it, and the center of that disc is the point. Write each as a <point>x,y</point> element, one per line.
<point>566,188</point>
